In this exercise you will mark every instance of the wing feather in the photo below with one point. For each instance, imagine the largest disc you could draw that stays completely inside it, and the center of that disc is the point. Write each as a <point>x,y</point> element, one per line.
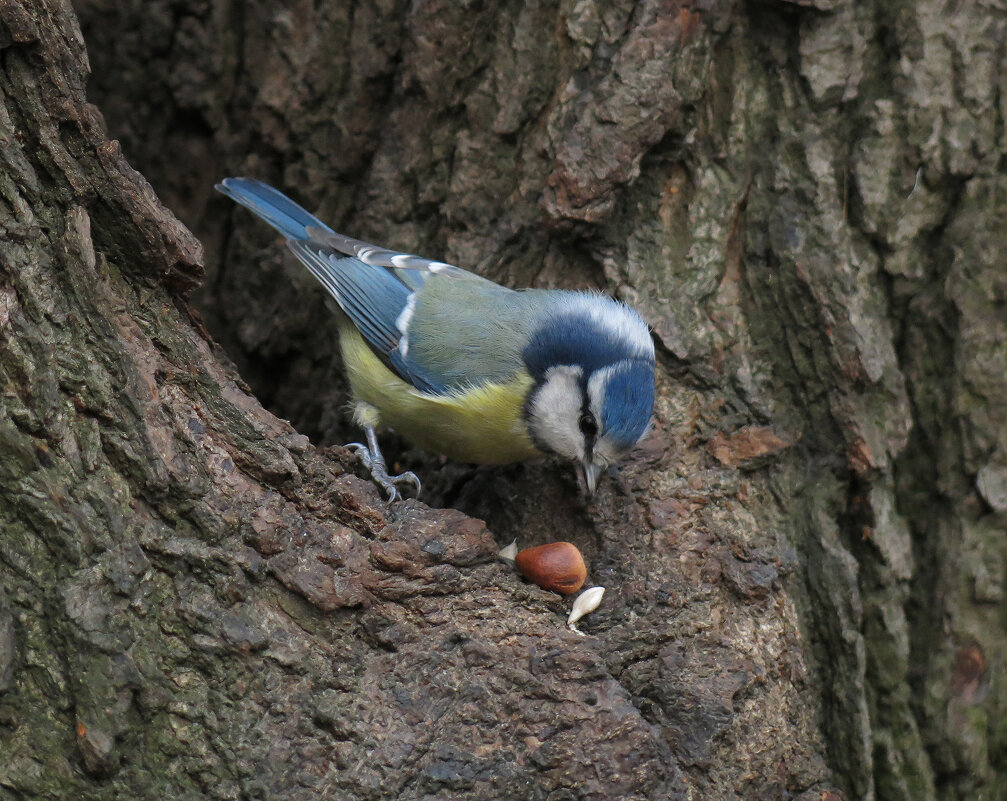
<point>373,298</point>
<point>378,256</point>
<point>379,289</point>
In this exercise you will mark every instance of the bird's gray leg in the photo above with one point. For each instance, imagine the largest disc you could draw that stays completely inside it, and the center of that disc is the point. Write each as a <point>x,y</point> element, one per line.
<point>374,463</point>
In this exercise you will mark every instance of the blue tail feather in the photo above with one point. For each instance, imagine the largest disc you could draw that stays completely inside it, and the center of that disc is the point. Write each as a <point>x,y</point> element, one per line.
<point>272,205</point>
<point>372,296</point>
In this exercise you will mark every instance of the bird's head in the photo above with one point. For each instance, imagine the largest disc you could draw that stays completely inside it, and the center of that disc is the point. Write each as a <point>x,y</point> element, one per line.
<point>592,360</point>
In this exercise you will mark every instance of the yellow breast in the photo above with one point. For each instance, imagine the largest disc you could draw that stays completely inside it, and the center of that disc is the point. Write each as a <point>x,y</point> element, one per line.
<point>482,424</point>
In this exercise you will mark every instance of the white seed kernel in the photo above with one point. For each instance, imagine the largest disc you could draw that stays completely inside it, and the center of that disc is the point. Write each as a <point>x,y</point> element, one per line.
<point>509,553</point>
<point>586,603</point>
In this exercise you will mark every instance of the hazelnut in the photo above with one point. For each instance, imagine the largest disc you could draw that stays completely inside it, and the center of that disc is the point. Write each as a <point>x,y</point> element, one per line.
<point>556,566</point>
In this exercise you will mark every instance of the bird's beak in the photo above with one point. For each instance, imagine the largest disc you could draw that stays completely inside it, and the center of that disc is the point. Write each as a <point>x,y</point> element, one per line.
<point>591,474</point>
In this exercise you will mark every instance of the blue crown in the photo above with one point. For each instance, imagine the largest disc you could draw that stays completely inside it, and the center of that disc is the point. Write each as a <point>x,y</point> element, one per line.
<point>574,338</point>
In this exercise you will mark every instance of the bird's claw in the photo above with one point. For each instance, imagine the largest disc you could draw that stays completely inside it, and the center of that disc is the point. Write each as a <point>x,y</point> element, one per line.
<point>375,465</point>
<point>361,452</point>
<point>408,477</point>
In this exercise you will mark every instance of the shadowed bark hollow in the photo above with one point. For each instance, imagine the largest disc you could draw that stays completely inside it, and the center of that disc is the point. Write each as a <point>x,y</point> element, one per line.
<point>804,564</point>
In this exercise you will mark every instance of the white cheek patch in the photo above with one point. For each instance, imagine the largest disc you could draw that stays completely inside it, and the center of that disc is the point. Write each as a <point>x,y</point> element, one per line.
<point>603,454</point>
<point>555,412</point>
<point>596,390</point>
<point>607,452</point>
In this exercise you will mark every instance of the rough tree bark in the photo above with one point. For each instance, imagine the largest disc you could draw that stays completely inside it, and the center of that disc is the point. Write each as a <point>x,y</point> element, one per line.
<point>805,565</point>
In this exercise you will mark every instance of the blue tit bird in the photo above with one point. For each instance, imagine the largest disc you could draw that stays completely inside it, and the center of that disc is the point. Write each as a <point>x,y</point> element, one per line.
<point>465,367</point>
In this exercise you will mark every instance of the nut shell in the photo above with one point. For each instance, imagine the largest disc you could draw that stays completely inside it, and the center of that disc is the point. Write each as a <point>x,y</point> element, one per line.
<point>556,566</point>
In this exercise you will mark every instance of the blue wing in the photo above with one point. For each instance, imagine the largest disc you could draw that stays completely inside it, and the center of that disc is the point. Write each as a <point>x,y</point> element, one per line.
<point>271,205</point>
<point>372,285</point>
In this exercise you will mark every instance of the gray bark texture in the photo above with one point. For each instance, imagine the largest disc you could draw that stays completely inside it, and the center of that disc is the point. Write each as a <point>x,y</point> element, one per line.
<point>805,563</point>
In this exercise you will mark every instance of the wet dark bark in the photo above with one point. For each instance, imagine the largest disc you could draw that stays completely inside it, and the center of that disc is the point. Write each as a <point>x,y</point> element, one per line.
<point>804,565</point>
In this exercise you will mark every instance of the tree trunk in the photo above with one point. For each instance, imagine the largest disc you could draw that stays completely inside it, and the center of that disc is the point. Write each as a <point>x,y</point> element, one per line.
<point>804,565</point>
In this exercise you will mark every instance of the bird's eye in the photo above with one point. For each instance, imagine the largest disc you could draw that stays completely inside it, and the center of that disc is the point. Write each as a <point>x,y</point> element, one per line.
<point>588,425</point>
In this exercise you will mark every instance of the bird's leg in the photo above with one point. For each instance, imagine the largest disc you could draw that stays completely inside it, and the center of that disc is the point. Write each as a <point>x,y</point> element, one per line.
<point>374,463</point>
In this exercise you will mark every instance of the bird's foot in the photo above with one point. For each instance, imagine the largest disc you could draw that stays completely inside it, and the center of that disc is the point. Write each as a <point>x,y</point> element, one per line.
<point>374,464</point>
